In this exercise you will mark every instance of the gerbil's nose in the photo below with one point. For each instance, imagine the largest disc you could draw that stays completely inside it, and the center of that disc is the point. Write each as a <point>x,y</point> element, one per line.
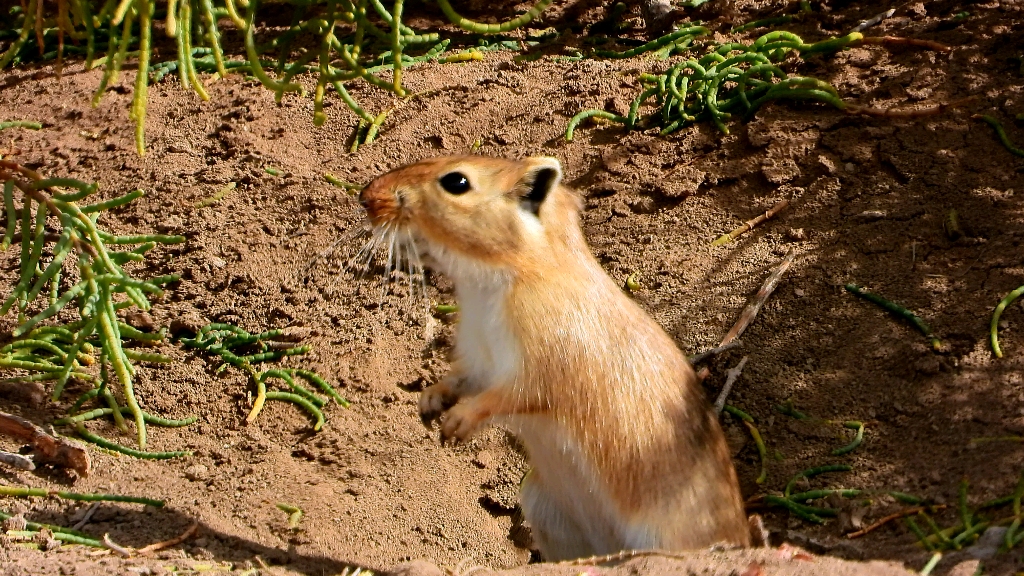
<point>379,201</point>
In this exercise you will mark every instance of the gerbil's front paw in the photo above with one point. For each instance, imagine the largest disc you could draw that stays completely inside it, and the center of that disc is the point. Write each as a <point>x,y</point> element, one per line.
<point>434,400</point>
<point>461,422</point>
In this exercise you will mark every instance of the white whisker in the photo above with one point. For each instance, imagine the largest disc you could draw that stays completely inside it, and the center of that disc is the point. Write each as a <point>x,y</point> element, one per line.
<point>389,267</point>
<point>371,248</point>
<point>405,259</point>
<point>419,265</point>
<point>392,250</point>
<point>350,236</point>
<point>368,249</point>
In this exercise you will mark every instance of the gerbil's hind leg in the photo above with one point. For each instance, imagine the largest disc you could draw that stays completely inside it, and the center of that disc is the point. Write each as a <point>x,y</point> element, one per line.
<point>555,534</point>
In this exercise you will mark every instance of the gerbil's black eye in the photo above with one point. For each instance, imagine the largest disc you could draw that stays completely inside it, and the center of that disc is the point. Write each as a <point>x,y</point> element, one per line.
<point>455,183</point>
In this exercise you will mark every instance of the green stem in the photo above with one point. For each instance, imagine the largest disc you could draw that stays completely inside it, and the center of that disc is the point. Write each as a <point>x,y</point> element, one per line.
<point>898,311</point>
<point>42,492</point>
<point>61,536</point>
<point>811,472</point>
<point>481,28</point>
<point>809,513</point>
<point>991,121</point>
<point>994,324</point>
<point>254,59</point>
<point>98,412</point>
<point>669,38</point>
<point>396,49</point>
<point>302,402</point>
<point>858,438</point>
<point>102,442</point>
<point>580,117</point>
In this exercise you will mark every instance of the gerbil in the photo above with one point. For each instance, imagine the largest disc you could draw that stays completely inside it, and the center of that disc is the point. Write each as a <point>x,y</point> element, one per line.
<point>624,449</point>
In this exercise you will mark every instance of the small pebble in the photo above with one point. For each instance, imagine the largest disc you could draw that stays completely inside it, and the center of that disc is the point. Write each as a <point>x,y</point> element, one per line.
<point>988,545</point>
<point>16,522</point>
<point>46,540</point>
<point>797,234</point>
<point>871,215</point>
<point>196,472</point>
<point>483,459</point>
<point>141,320</point>
<point>170,224</point>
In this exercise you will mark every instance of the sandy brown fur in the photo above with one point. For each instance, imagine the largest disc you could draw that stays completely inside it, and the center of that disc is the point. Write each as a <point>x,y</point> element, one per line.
<point>589,370</point>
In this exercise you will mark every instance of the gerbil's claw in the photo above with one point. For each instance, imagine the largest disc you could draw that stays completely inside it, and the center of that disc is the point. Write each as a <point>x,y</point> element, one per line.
<point>434,400</point>
<point>459,424</point>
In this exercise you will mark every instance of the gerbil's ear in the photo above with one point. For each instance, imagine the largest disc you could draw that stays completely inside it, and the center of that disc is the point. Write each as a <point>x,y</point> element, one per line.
<point>541,176</point>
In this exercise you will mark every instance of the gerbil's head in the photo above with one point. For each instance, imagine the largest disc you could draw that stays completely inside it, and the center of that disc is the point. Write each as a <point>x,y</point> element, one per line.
<point>492,211</point>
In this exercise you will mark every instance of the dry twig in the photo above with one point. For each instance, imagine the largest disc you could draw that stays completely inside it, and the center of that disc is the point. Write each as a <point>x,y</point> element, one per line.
<point>47,449</point>
<point>116,548</point>
<point>900,41</point>
<point>88,516</point>
<point>172,542</point>
<point>731,376</point>
<point>17,461</point>
<point>750,224</point>
<point>702,356</point>
<point>750,312</point>
<point>885,520</point>
<point>932,110</point>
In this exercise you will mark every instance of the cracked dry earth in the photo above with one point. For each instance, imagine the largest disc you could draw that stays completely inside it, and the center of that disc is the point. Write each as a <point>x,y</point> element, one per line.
<point>869,197</point>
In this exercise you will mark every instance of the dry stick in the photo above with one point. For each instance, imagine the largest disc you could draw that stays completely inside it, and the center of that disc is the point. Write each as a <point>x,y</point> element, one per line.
<point>172,542</point>
<point>625,555</point>
<point>900,41</point>
<point>48,449</point>
<point>17,461</point>
<point>883,521</point>
<point>750,312</point>
<point>116,548</point>
<point>731,375</point>
<point>875,20</point>
<point>932,110</point>
<point>702,356</point>
<point>88,516</point>
<point>750,224</point>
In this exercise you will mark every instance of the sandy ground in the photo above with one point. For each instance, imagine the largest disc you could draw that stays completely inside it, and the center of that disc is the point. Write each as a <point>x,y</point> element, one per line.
<point>868,202</point>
